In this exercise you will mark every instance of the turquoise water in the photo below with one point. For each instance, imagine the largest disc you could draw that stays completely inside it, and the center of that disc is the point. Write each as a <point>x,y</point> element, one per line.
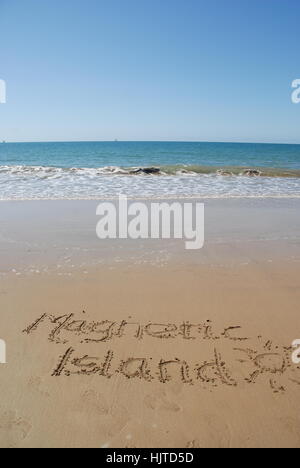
<point>106,169</point>
<point>101,154</point>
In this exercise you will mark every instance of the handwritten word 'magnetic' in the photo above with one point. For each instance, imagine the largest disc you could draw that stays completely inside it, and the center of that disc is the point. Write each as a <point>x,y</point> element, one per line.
<point>62,328</point>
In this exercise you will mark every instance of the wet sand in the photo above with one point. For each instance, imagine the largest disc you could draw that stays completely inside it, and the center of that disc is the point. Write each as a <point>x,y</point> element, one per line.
<point>145,344</point>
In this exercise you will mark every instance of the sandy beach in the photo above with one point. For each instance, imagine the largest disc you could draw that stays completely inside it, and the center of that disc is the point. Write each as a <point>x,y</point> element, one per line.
<point>142,343</point>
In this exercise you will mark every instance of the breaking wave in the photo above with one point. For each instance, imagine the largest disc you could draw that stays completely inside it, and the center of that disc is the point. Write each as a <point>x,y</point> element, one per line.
<point>176,170</point>
<point>180,181</point>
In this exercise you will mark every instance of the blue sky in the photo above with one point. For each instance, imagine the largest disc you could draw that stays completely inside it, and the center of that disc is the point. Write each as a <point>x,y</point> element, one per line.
<point>203,70</point>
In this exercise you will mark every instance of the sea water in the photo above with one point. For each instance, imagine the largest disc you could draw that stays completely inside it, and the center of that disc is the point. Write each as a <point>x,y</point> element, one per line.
<point>96,170</point>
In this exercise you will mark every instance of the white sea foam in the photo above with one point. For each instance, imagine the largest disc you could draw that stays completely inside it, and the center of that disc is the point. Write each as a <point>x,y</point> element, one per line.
<point>38,182</point>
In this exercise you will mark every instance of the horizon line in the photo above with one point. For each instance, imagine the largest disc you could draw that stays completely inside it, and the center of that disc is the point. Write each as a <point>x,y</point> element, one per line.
<point>150,141</point>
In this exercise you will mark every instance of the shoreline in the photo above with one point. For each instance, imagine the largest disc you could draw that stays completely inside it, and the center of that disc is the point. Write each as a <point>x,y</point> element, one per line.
<point>37,235</point>
<point>148,198</point>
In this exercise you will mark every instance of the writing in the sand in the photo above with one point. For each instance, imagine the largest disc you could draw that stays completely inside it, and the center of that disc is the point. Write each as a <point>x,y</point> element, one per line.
<point>210,373</point>
<point>66,327</point>
<point>217,355</point>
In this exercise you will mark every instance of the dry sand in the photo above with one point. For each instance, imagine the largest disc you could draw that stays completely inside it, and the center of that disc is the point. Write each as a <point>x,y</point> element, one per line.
<point>179,354</point>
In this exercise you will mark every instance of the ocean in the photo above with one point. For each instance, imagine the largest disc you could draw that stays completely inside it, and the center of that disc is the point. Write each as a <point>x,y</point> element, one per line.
<point>96,170</point>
